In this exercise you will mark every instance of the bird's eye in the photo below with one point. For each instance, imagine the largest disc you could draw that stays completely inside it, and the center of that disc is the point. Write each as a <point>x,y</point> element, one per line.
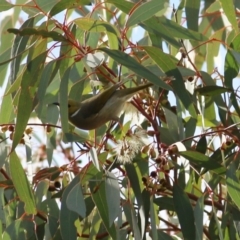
<point>69,105</point>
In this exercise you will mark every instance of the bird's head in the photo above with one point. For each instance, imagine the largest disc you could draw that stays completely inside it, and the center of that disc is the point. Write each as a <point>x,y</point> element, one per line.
<point>73,107</point>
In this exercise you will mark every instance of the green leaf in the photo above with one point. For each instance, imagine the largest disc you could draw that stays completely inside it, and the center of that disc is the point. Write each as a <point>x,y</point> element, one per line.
<point>20,229</point>
<point>112,196</point>
<point>165,203</point>
<point>24,110</point>
<point>235,44</point>
<point>202,122</point>
<point>63,100</point>
<point>233,184</point>
<point>165,62</point>
<point>202,145</point>
<point>231,69</point>
<point>136,67</point>
<point>94,158</point>
<point>172,123</point>
<point>229,10</point>
<point>190,127</point>
<point>135,180</point>
<point>42,89</point>
<point>51,228</point>
<point>89,205</point>
<point>44,5</point>
<point>144,211</point>
<point>132,219</point>
<point>185,213</point>
<point>198,215</point>
<point>213,229</point>
<point>153,217</point>
<point>43,33</point>
<point>192,14</point>
<point>169,29</point>
<point>87,173</point>
<point>92,25</point>
<point>4,5</point>
<point>67,4</point>
<point>96,222</point>
<point>21,184</point>
<point>75,200</point>
<point>41,191</point>
<point>215,6</point>
<point>25,102</point>
<point>67,218</point>
<point>123,5</point>
<point>203,161</point>
<point>211,90</point>
<point>209,111</point>
<point>144,12</point>
<point>98,191</point>
<point>3,214</point>
<point>6,109</point>
<point>18,48</point>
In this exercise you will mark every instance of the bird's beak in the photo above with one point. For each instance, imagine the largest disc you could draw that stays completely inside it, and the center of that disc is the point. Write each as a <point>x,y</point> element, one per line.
<point>56,103</point>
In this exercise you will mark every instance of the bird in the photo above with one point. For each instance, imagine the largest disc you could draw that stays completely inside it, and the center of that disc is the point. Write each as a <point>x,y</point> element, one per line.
<point>95,111</point>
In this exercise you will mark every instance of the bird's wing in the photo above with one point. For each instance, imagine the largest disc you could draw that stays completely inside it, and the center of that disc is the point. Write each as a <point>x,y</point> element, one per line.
<point>97,102</point>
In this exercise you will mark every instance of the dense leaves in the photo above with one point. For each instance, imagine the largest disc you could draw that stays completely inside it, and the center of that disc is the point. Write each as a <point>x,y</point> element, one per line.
<point>170,167</point>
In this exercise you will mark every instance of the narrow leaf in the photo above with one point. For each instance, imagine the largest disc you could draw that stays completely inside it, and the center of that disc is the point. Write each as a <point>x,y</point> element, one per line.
<point>202,145</point>
<point>98,191</point>
<point>43,33</point>
<point>144,211</point>
<point>165,203</point>
<point>231,69</point>
<point>93,25</point>
<point>63,100</point>
<point>185,213</point>
<point>4,5</point>
<point>20,229</point>
<point>67,4</point>
<point>136,67</point>
<point>229,10</point>
<point>203,161</point>
<point>6,109</point>
<point>153,217</point>
<point>75,201</point>
<point>18,48</point>
<point>211,90</point>
<point>135,182</point>
<point>145,11</point>
<point>169,29</point>
<point>67,218</point>
<point>27,91</point>
<point>113,196</point>
<point>21,184</point>
<point>94,158</point>
<point>165,62</point>
<point>123,5</point>
<point>198,215</point>
<point>233,184</point>
<point>192,14</point>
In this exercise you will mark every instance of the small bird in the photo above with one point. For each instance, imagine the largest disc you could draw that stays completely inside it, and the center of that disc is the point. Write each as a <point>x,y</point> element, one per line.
<point>101,108</point>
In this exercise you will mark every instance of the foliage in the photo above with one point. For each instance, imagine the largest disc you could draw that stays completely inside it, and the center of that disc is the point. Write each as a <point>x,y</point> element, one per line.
<point>176,173</point>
